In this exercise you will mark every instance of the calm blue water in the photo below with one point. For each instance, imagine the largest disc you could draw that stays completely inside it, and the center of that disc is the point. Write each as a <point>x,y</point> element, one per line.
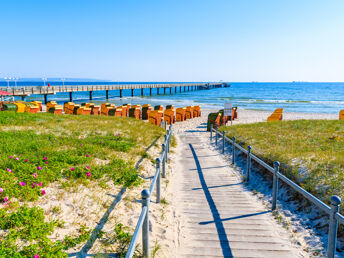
<point>293,97</point>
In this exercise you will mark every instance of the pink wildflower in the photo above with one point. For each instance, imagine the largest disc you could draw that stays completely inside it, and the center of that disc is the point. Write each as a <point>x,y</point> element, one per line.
<point>17,158</point>
<point>36,256</point>
<point>1,190</point>
<point>43,192</point>
<point>34,185</point>
<point>46,162</point>
<point>22,183</point>
<point>101,142</point>
<point>119,135</point>
<point>26,160</point>
<point>96,132</point>
<point>88,174</point>
<point>81,144</point>
<point>55,139</point>
<point>11,157</point>
<point>35,175</point>
<point>45,158</point>
<point>39,168</point>
<point>87,155</point>
<point>60,137</point>
<point>6,199</point>
<point>40,184</point>
<point>72,168</point>
<point>9,170</point>
<point>88,167</point>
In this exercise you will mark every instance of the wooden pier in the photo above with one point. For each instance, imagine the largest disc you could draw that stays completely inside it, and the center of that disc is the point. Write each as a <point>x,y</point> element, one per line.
<point>26,91</point>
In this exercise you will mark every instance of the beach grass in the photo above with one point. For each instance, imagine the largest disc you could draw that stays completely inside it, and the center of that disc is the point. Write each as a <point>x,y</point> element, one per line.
<point>311,152</point>
<point>40,149</point>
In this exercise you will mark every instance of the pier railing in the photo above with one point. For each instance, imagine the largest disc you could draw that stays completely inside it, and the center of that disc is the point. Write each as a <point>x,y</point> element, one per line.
<point>49,90</point>
<point>143,222</point>
<point>332,211</point>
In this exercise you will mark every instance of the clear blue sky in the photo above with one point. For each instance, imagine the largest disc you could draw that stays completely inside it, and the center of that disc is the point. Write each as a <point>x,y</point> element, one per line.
<point>173,40</point>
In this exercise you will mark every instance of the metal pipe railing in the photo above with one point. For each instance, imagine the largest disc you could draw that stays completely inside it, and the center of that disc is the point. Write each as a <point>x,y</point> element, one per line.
<point>143,222</point>
<point>334,216</point>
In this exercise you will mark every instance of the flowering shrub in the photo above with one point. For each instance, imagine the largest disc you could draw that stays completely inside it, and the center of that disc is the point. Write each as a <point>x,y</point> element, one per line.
<point>63,149</point>
<point>24,166</point>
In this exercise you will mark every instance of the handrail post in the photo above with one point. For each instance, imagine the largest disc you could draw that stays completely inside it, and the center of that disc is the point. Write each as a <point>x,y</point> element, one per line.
<point>145,226</point>
<point>223,141</point>
<point>248,164</point>
<point>158,161</point>
<point>333,225</point>
<point>233,150</point>
<point>164,156</point>
<point>211,132</point>
<point>275,185</point>
<point>216,135</point>
<point>166,145</point>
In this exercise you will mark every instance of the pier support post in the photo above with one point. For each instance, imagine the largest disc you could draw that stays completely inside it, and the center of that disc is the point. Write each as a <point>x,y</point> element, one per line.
<point>142,92</point>
<point>175,89</point>
<point>90,95</point>
<point>71,96</point>
<point>158,91</point>
<point>164,90</point>
<point>120,93</point>
<point>132,92</point>
<point>45,98</point>
<point>170,90</point>
<point>23,98</point>
<point>107,94</point>
<point>150,91</point>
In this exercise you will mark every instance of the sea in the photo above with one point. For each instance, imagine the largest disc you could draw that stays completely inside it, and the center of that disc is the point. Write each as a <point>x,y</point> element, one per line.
<point>292,96</point>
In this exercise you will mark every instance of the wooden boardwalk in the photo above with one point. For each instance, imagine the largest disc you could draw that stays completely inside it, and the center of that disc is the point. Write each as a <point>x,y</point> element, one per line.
<point>222,218</point>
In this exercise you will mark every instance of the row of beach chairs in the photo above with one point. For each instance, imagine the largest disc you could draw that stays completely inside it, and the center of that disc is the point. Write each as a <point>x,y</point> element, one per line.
<point>21,106</point>
<point>154,115</point>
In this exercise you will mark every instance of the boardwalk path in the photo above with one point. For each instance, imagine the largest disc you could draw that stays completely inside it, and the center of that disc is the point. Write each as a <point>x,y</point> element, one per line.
<point>222,218</point>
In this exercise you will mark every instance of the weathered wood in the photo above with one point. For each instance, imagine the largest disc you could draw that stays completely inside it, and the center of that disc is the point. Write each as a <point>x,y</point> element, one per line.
<point>220,216</point>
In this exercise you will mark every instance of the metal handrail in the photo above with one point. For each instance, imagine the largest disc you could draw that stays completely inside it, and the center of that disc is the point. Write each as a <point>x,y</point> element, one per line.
<point>332,211</point>
<point>143,222</point>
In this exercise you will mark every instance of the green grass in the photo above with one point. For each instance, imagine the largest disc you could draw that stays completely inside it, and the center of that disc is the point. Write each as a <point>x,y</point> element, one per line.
<point>311,152</point>
<point>39,149</point>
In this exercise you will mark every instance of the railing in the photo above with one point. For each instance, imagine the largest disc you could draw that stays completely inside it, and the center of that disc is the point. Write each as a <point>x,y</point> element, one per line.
<point>143,222</point>
<point>27,90</point>
<point>332,211</point>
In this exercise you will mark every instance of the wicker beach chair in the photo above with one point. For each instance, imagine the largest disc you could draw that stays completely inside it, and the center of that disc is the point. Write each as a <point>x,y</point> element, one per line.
<point>31,108</point>
<point>180,114</point>
<point>276,115</point>
<point>189,112</point>
<point>95,110</point>
<point>341,115</point>
<point>169,116</point>
<point>196,111</point>
<point>155,117</point>
<point>56,109</point>
<point>146,109</point>
<point>20,107</point>
<point>135,112</point>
